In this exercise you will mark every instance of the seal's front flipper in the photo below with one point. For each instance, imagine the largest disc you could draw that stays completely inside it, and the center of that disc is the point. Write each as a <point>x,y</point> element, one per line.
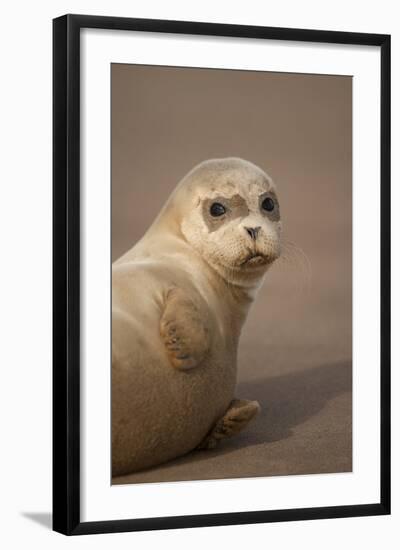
<point>183,331</point>
<point>236,418</point>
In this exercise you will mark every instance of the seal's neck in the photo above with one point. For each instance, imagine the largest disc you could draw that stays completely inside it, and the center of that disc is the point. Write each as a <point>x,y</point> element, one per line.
<point>234,295</point>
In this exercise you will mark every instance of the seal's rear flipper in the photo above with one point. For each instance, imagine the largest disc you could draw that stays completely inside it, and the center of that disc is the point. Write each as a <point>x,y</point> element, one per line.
<point>183,331</point>
<point>236,418</point>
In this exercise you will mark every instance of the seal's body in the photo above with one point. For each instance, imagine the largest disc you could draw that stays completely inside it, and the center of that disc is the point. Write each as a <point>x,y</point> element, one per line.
<point>180,298</point>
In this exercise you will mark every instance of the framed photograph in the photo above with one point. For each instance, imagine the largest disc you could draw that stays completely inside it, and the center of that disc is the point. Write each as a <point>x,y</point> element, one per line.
<point>221,274</point>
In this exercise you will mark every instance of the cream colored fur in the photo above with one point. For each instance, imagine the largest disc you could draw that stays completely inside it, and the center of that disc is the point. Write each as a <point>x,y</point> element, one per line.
<point>180,298</point>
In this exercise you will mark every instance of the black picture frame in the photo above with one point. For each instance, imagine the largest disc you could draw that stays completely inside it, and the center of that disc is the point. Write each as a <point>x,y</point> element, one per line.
<point>66,273</point>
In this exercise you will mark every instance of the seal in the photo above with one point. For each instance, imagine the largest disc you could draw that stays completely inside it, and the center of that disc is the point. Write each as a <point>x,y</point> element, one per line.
<point>180,297</point>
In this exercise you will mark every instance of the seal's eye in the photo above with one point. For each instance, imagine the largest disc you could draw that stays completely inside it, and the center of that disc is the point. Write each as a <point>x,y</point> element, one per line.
<point>217,209</point>
<point>268,204</point>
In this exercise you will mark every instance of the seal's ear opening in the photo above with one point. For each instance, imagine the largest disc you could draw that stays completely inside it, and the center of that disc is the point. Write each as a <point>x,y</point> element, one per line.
<point>170,217</point>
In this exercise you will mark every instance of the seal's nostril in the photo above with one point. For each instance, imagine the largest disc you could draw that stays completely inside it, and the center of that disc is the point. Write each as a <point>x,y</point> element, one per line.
<point>253,231</point>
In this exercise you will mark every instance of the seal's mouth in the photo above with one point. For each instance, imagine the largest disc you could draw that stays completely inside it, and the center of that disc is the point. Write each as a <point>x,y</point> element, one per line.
<point>255,259</point>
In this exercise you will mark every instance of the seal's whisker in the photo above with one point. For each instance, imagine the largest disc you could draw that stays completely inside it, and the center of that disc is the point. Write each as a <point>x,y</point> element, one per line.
<point>293,256</point>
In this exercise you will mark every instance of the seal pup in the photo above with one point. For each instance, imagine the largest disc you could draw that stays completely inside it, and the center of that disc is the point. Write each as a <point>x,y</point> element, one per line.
<point>180,297</point>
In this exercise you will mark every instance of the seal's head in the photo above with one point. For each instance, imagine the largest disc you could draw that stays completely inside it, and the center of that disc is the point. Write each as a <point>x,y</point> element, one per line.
<point>228,212</point>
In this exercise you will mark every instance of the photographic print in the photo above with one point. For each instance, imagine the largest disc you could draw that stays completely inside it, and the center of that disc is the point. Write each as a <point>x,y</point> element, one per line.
<point>221,257</point>
<point>231,273</point>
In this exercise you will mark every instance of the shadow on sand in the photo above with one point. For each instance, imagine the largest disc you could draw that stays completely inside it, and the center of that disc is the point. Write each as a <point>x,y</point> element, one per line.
<point>289,400</point>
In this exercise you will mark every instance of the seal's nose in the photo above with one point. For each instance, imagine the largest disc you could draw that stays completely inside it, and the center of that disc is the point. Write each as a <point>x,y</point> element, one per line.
<point>253,232</point>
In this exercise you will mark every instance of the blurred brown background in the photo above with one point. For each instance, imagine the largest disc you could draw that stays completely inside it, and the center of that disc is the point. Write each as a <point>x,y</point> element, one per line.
<point>295,351</point>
